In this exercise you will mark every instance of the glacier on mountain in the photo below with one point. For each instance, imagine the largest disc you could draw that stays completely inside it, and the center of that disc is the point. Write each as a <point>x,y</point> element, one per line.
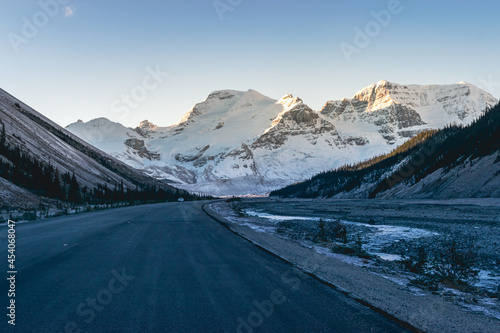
<point>244,143</point>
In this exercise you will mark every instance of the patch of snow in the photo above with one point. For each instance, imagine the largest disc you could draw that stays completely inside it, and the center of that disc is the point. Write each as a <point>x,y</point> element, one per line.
<point>481,309</point>
<point>381,236</point>
<point>278,218</point>
<point>388,256</point>
<point>488,280</point>
<point>384,235</point>
<point>397,280</point>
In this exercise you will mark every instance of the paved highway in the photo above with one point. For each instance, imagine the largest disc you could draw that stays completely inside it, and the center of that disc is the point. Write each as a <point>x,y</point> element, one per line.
<point>163,268</point>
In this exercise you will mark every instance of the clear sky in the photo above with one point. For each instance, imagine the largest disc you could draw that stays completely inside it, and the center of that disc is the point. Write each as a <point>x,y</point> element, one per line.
<point>82,59</point>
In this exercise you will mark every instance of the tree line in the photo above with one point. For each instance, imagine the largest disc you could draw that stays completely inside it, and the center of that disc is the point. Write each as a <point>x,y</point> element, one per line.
<point>45,180</point>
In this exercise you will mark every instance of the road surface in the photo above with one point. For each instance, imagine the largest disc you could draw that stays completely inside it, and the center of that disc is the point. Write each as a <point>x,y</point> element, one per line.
<point>164,268</point>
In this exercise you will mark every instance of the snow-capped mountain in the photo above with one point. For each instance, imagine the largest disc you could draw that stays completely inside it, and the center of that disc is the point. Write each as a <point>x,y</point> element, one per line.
<point>455,162</point>
<point>238,143</point>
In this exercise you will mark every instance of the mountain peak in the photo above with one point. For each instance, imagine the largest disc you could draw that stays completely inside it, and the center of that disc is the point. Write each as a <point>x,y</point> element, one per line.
<point>288,101</point>
<point>146,124</point>
<point>383,83</point>
<point>96,122</point>
<point>376,91</point>
<point>222,94</point>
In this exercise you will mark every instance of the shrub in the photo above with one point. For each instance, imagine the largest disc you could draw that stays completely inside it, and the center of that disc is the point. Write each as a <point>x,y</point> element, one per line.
<point>358,248</point>
<point>447,262</point>
<point>343,249</point>
<point>354,248</point>
<point>358,245</point>
<point>328,232</point>
<point>415,260</point>
<point>283,227</point>
<point>29,215</point>
<point>321,234</point>
<point>340,231</point>
<point>453,264</point>
<point>237,209</point>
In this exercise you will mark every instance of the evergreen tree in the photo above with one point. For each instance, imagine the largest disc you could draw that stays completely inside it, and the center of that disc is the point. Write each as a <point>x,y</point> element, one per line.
<point>74,194</point>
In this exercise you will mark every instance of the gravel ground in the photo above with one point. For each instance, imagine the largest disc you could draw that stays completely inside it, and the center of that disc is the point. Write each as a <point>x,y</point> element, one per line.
<point>477,220</point>
<point>387,227</point>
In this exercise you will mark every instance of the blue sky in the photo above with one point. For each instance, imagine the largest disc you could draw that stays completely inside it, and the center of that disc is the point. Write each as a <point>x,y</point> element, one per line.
<point>86,56</point>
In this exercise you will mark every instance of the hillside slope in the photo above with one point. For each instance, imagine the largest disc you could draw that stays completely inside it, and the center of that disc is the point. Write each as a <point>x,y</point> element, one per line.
<point>33,149</point>
<point>456,162</point>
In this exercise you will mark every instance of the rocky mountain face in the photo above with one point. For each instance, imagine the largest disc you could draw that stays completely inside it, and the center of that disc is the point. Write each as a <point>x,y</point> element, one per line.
<point>240,143</point>
<point>455,162</point>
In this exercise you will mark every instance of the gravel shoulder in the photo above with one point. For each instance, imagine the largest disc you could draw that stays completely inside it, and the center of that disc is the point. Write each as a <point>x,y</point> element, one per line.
<point>373,286</point>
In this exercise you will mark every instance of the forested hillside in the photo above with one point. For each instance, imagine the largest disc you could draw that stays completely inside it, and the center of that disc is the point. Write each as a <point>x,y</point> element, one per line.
<point>41,162</point>
<point>429,152</point>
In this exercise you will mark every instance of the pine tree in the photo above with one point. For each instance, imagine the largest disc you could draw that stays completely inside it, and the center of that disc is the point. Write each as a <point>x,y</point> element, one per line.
<point>74,194</point>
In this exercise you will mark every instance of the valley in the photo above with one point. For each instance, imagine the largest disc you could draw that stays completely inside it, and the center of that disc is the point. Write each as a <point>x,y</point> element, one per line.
<point>245,166</point>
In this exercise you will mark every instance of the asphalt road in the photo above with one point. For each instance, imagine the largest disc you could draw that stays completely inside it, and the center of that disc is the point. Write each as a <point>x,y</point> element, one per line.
<point>164,268</point>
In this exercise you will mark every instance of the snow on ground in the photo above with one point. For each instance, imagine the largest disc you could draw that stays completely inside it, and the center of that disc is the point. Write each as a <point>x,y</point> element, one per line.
<point>488,279</point>
<point>264,216</point>
<point>379,237</point>
<point>277,218</point>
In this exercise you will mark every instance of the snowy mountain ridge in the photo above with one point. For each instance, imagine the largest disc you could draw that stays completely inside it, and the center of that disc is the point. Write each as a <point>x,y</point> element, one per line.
<point>239,143</point>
